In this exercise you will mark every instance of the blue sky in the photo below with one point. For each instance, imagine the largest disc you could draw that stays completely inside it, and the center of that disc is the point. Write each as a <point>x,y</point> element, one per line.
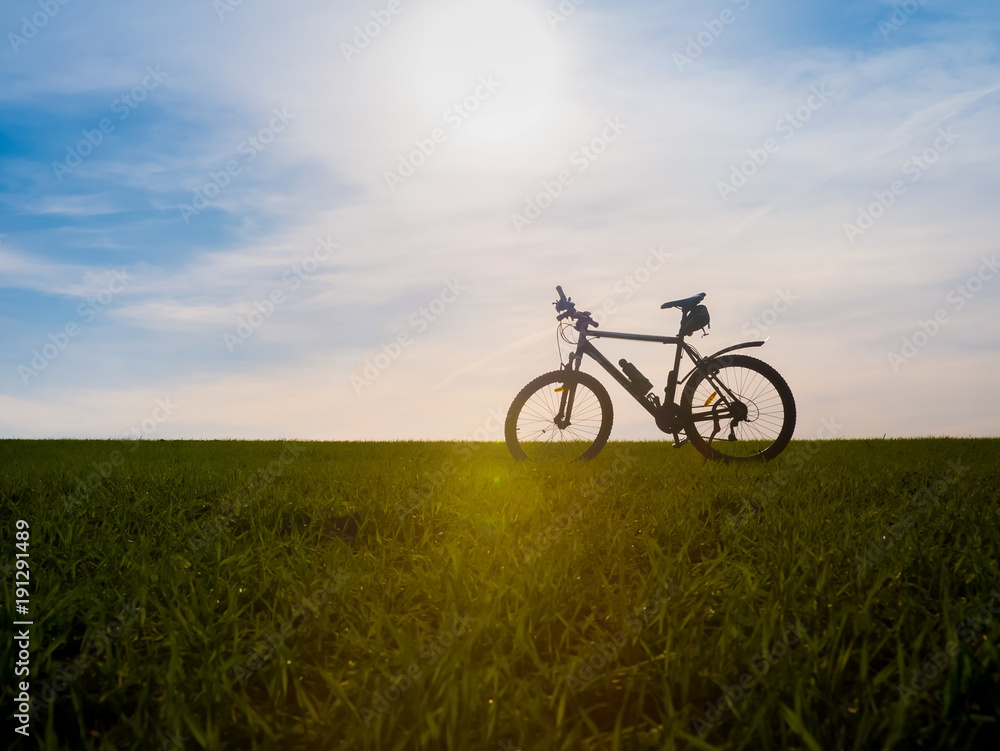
<point>347,193</point>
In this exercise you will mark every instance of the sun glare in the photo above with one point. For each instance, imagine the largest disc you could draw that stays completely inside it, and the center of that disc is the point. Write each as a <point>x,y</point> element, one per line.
<point>493,66</point>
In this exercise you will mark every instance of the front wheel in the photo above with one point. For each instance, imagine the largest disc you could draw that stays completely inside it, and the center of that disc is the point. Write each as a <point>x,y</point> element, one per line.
<point>738,408</point>
<point>562,415</point>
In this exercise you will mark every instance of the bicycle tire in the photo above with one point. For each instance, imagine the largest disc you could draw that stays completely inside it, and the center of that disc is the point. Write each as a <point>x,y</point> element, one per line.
<point>767,398</point>
<point>530,429</point>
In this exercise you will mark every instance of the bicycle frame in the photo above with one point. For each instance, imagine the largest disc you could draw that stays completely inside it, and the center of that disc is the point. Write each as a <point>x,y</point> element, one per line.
<point>649,402</point>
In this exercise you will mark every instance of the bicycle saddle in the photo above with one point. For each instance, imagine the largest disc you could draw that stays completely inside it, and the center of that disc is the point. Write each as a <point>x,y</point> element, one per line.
<point>686,304</point>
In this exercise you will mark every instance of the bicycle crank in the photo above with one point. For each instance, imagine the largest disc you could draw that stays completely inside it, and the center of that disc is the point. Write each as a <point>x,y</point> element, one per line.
<point>668,418</point>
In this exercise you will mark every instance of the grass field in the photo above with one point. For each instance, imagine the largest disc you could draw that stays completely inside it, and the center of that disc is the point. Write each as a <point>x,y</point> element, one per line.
<point>435,595</point>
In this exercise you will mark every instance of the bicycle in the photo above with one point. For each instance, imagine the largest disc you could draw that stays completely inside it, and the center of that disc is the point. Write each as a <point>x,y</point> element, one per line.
<point>567,413</point>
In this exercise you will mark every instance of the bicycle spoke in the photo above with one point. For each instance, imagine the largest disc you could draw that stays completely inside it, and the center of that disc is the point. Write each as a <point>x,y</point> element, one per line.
<point>535,413</point>
<point>742,384</point>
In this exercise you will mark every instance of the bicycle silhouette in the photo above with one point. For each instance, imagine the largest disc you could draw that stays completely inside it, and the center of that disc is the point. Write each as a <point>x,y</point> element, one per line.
<point>567,414</point>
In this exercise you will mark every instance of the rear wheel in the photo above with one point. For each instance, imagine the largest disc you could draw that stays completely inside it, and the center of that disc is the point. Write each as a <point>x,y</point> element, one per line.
<point>562,415</point>
<point>738,409</point>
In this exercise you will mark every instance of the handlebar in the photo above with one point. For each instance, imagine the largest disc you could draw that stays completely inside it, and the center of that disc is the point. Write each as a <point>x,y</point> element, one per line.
<point>564,303</point>
<point>567,309</point>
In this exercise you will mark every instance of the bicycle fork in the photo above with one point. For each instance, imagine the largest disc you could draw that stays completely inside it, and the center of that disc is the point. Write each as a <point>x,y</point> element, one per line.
<point>562,420</point>
<point>567,396</point>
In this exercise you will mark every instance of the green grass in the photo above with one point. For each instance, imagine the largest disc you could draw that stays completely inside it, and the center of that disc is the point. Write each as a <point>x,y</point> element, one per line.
<point>263,595</point>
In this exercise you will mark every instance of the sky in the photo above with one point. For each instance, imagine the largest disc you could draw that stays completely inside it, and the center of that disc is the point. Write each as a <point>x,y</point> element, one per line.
<point>346,220</point>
